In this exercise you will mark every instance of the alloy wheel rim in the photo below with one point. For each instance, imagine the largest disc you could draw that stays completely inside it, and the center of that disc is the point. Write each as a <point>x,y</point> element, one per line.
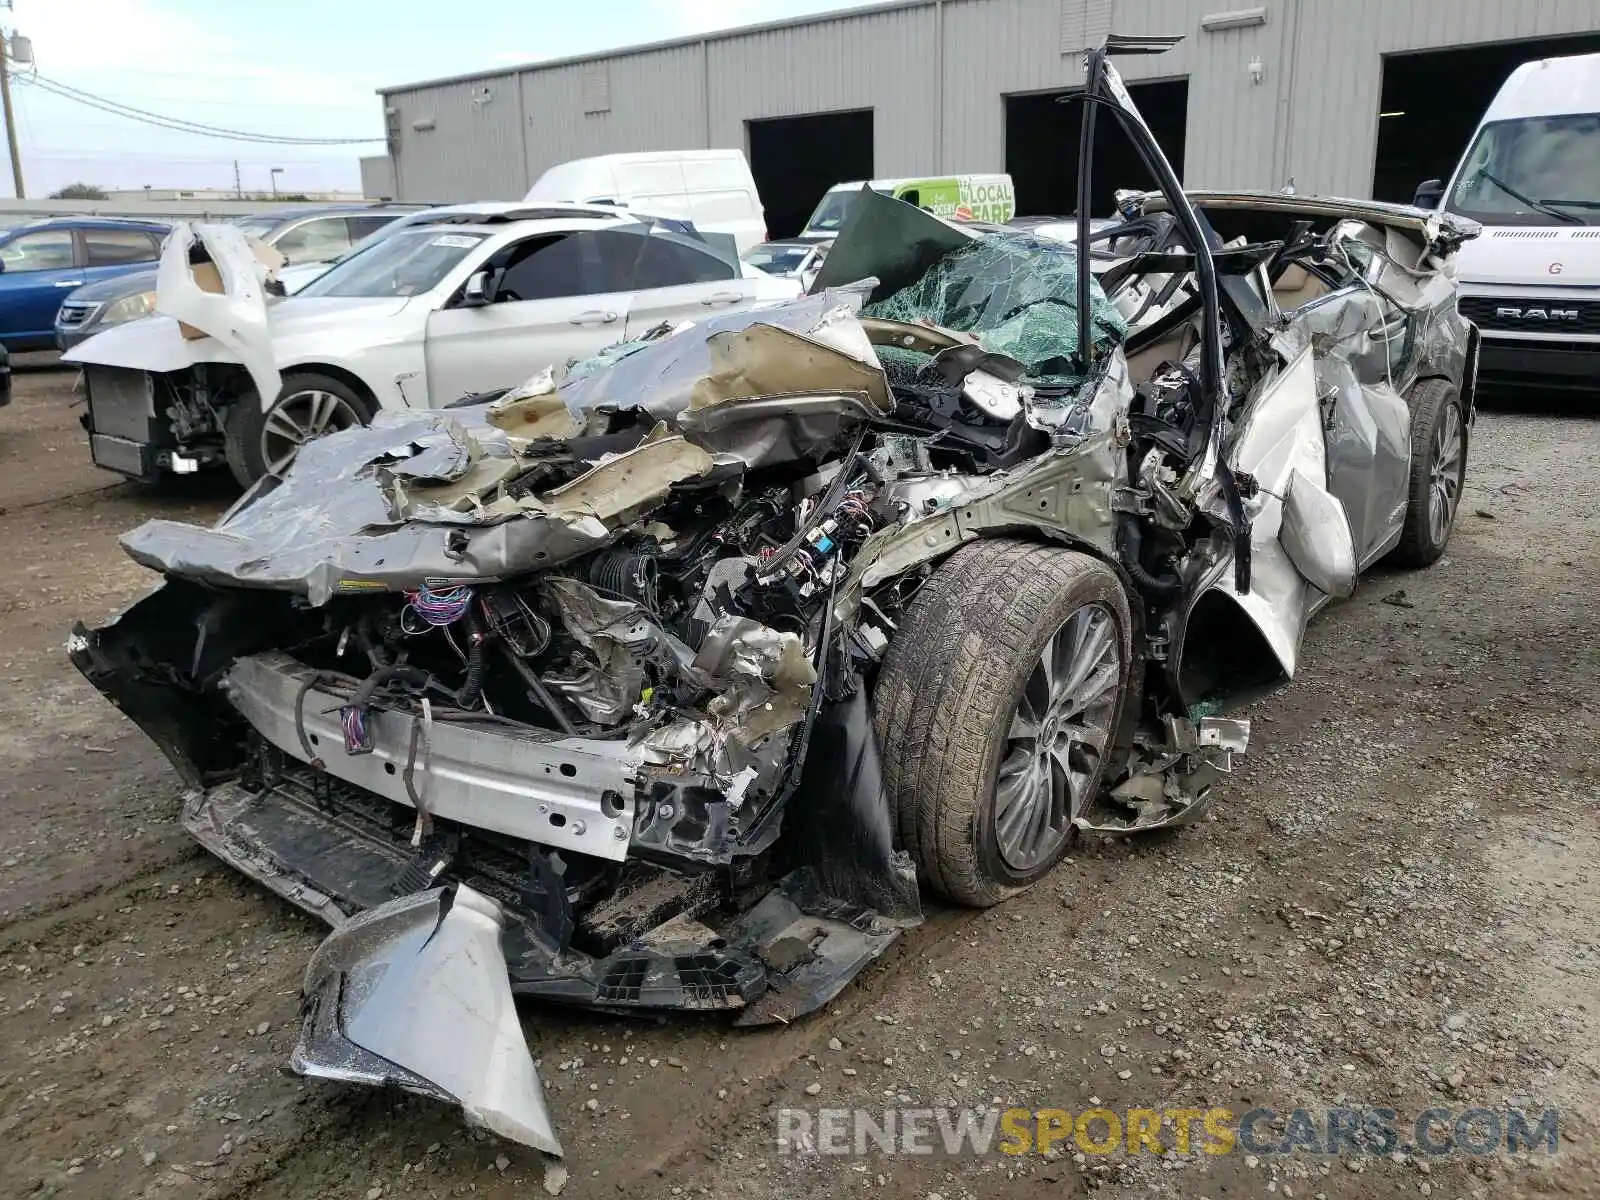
<point>1444,475</point>
<point>1058,737</point>
<point>300,418</point>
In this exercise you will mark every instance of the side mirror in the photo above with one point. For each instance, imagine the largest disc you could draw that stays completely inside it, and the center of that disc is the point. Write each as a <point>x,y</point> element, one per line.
<point>476,292</point>
<point>1429,194</point>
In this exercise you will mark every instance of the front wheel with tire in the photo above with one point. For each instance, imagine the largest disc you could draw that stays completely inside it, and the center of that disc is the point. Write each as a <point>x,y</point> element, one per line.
<point>997,709</point>
<point>1438,472</point>
<point>310,406</point>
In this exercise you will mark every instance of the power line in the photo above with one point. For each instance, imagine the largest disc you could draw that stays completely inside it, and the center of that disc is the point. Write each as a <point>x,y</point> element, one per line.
<point>158,158</point>
<point>178,124</point>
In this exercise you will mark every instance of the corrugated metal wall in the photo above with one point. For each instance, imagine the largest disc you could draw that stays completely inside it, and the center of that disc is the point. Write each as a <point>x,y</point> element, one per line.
<point>999,47</point>
<point>884,61</point>
<point>936,76</point>
<point>1332,123</point>
<point>460,141</point>
<point>652,101</point>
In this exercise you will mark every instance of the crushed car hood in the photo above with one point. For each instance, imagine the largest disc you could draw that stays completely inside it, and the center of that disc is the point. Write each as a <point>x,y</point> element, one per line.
<point>156,343</point>
<point>147,344</point>
<point>423,495</point>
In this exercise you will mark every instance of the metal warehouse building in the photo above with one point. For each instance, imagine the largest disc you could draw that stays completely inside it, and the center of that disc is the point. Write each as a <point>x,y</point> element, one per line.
<point>1352,97</point>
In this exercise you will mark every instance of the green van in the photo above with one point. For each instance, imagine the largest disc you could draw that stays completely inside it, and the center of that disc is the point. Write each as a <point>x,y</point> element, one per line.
<point>955,197</point>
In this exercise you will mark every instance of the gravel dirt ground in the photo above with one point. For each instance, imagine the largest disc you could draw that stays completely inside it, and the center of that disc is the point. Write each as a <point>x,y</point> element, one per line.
<point>1395,905</point>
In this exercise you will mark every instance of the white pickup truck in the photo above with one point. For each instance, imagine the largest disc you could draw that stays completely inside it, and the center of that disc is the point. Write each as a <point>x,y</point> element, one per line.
<point>1531,177</point>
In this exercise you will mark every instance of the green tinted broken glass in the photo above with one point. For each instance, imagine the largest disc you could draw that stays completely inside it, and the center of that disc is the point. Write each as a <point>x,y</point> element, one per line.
<point>1019,294</point>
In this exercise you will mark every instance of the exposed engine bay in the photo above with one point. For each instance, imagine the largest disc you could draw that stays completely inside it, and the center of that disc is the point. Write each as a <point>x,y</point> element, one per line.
<point>591,668</point>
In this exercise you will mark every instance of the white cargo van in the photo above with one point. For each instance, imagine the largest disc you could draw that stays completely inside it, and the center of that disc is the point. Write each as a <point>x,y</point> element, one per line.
<point>1531,177</point>
<point>712,188</point>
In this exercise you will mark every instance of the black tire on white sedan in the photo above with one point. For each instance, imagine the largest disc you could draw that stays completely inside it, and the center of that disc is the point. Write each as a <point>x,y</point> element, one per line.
<point>997,708</point>
<point>1438,472</point>
<point>310,406</point>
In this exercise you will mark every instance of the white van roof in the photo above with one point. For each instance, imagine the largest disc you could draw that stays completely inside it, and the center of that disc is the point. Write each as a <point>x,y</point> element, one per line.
<point>1548,87</point>
<point>582,177</point>
<point>632,156</point>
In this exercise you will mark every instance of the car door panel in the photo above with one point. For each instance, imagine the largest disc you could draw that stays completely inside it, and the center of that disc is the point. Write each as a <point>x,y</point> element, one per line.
<point>552,305</point>
<point>109,252</point>
<point>678,279</point>
<point>41,268</point>
<point>1366,421</point>
<point>687,302</point>
<point>500,345</point>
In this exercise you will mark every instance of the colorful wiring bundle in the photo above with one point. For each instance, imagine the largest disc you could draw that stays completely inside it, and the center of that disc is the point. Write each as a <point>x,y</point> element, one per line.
<point>440,606</point>
<point>357,737</point>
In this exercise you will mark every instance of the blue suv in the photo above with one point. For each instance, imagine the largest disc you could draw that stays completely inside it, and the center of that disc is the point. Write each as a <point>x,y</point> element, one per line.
<point>44,260</point>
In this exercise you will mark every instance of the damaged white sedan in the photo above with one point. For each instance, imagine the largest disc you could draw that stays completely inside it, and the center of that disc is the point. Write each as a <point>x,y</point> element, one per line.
<point>472,300</point>
<point>668,684</point>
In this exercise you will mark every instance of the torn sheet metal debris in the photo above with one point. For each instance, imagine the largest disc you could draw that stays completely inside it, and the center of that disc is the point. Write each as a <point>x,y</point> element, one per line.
<point>377,1013</point>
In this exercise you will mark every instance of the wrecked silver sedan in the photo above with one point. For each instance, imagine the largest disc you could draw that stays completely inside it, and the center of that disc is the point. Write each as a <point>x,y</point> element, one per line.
<point>669,681</point>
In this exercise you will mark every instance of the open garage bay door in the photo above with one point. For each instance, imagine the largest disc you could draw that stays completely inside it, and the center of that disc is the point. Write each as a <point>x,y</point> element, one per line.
<point>1042,147</point>
<point>1434,99</point>
<point>796,159</point>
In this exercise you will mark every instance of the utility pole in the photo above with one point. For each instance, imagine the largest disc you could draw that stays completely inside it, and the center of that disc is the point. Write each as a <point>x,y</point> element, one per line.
<point>238,188</point>
<point>10,115</point>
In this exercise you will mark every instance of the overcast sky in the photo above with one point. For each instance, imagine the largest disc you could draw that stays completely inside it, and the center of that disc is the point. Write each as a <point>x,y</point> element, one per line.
<point>307,68</point>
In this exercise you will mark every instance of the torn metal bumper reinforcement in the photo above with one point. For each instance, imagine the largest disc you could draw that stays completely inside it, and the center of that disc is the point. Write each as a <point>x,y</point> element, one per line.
<point>578,692</point>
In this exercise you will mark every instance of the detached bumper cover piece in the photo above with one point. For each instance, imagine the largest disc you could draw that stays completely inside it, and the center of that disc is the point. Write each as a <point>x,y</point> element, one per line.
<point>414,994</point>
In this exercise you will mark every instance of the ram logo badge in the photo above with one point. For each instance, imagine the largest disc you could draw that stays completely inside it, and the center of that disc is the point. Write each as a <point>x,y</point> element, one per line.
<point>1537,314</point>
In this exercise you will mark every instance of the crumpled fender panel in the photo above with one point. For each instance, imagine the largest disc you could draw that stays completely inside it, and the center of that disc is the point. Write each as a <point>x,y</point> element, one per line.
<point>1280,436</point>
<point>1316,536</point>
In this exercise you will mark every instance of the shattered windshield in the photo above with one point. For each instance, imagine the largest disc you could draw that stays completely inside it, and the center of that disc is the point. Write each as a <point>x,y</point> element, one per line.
<point>406,264</point>
<point>1017,293</point>
<point>1534,171</point>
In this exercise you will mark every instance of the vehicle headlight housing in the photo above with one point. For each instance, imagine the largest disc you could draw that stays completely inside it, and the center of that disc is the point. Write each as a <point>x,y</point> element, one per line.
<point>129,308</point>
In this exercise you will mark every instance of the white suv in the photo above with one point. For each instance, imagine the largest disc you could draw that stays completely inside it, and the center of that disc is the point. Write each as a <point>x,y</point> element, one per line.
<point>416,320</point>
